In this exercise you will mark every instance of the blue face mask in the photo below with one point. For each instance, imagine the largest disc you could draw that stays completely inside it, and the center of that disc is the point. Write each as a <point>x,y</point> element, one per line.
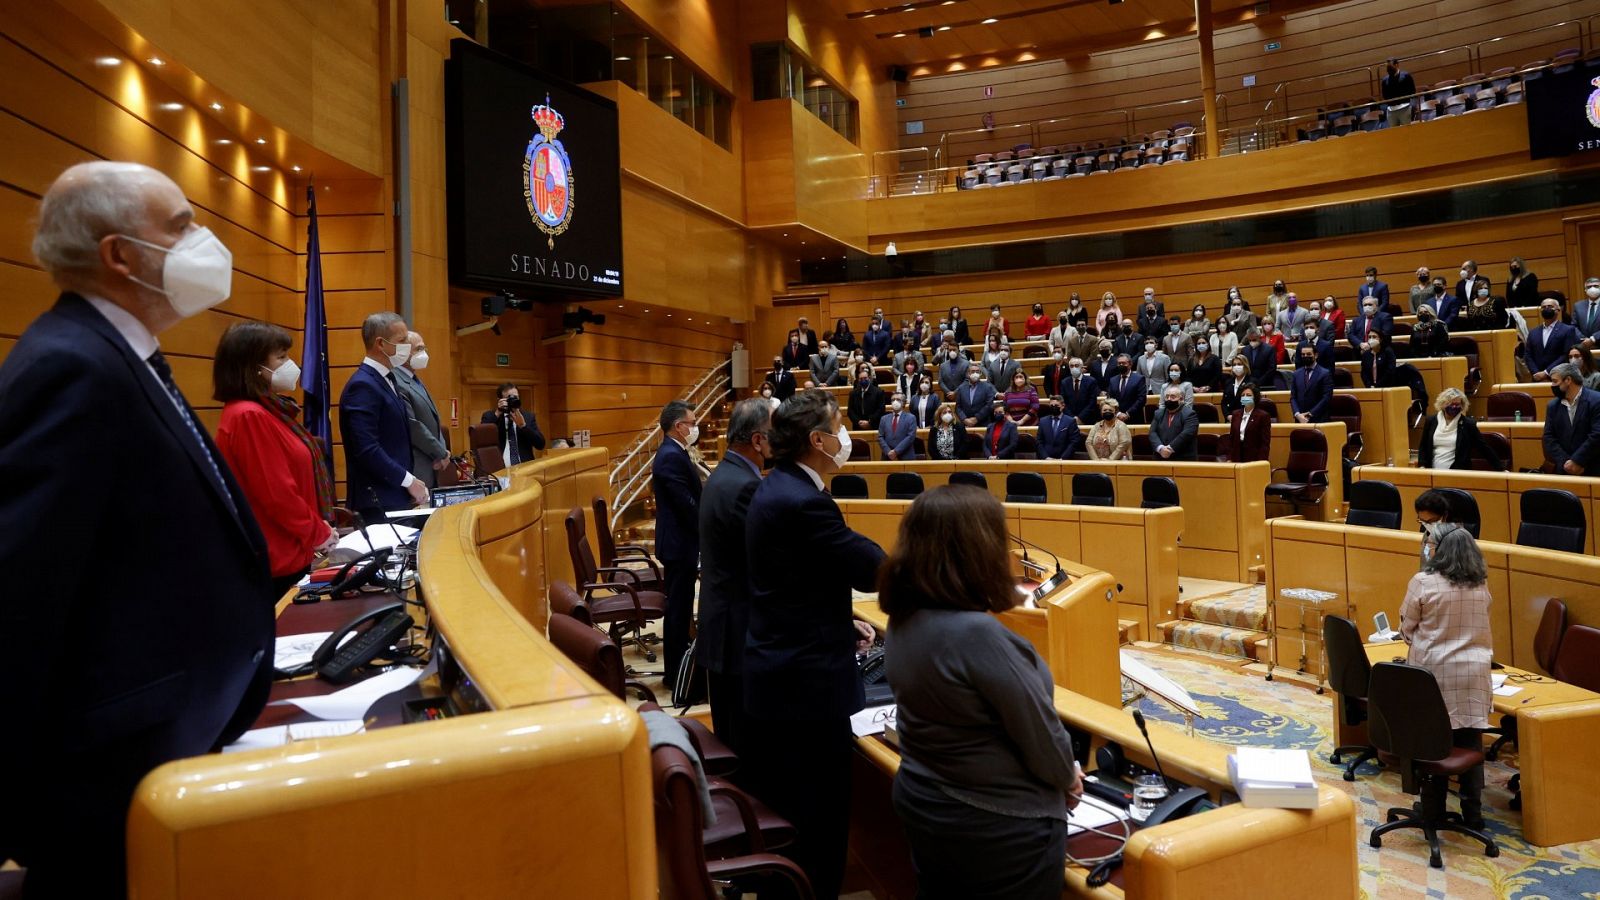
<point>1247,400</point>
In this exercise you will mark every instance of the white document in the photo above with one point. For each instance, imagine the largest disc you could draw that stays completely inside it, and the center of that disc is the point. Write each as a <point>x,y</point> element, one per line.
<point>1497,681</point>
<point>293,650</point>
<point>278,735</point>
<point>385,534</point>
<point>1092,812</point>
<point>1507,690</point>
<point>354,701</point>
<point>872,720</point>
<point>1158,684</point>
<point>1270,767</point>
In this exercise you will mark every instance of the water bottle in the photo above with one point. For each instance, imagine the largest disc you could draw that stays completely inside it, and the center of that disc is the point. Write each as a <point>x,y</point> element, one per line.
<point>1519,415</point>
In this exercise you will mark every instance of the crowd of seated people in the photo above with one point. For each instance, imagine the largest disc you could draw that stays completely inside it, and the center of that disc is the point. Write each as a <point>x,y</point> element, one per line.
<point>972,372</point>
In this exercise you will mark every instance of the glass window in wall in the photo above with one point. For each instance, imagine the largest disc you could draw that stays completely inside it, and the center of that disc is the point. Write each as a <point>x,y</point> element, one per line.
<point>779,72</point>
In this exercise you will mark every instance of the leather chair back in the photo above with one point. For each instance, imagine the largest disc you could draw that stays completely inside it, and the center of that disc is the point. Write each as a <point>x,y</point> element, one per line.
<point>1347,409</point>
<point>1270,407</point>
<point>1207,413</point>
<point>1093,489</point>
<point>1027,446</point>
<point>680,845</point>
<point>1406,717</point>
<point>1349,671</point>
<point>1207,447</point>
<point>1343,379</point>
<point>971,479</point>
<point>583,564</point>
<point>590,650</point>
<point>848,487</point>
<point>1141,447</point>
<point>860,451</point>
<point>1463,510</point>
<point>1159,492</point>
<point>483,439</point>
<point>1308,452</point>
<point>1501,445</point>
<point>1374,504</point>
<point>1552,519</point>
<point>1547,640</point>
<point>1506,405</point>
<point>1026,487</point>
<point>565,601</point>
<point>903,486</point>
<point>602,527</point>
<point>1578,661</point>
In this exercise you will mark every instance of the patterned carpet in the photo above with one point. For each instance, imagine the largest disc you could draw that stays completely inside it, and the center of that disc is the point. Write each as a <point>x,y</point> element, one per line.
<point>1247,709</point>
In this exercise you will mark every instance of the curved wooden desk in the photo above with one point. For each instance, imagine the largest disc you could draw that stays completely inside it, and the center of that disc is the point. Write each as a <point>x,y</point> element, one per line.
<point>480,805</point>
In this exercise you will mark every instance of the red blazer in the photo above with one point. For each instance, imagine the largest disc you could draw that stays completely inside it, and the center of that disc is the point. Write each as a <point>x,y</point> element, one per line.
<point>1257,443</point>
<point>274,470</point>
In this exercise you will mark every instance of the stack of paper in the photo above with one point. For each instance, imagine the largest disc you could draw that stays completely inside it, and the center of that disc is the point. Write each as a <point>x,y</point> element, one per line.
<point>1263,777</point>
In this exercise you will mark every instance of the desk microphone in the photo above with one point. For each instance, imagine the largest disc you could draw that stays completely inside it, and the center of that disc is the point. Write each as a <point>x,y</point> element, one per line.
<point>1138,719</point>
<point>1025,545</point>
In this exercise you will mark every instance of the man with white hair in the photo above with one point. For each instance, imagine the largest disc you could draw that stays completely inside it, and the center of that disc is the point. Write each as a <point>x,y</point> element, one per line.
<point>429,453</point>
<point>138,609</point>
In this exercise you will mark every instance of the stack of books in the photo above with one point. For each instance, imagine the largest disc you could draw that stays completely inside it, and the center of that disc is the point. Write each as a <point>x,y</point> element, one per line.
<point>1264,777</point>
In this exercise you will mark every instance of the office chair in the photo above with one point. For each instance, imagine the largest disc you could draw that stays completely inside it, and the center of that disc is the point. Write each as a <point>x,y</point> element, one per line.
<point>903,486</point>
<point>848,487</point>
<point>1504,406</point>
<point>1159,492</point>
<point>1347,409</point>
<point>1578,661</point>
<point>1306,474</point>
<point>1410,726</point>
<point>1093,489</point>
<point>1547,642</point>
<point>970,479</point>
<point>1026,487</point>
<point>1349,673</point>
<point>1552,519</point>
<point>618,603</point>
<point>483,440</point>
<point>597,655</point>
<point>565,601</point>
<point>1463,512</point>
<point>1374,504</point>
<point>627,555</point>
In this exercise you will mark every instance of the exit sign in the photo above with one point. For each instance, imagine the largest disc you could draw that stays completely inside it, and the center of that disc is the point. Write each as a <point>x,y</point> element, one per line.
<point>503,360</point>
<point>1274,45</point>
<point>900,102</point>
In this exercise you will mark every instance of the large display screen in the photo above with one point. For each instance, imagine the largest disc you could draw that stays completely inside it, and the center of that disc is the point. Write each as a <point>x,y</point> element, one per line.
<point>1564,112</point>
<point>533,179</point>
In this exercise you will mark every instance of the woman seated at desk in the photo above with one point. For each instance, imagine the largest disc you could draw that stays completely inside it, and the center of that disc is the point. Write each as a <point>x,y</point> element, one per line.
<point>986,774</point>
<point>1445,620</point>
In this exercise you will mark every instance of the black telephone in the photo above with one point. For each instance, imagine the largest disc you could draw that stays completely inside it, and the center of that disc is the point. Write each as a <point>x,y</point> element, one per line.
<point>349,578</point>
<point>384,627</point>
<point>875,678</point>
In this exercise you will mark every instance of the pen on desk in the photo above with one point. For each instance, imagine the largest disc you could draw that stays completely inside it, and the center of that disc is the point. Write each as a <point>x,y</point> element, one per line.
<point>1526,699</point>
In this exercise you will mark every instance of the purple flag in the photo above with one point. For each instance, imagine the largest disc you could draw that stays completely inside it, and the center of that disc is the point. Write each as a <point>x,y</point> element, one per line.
<point>314,359</point>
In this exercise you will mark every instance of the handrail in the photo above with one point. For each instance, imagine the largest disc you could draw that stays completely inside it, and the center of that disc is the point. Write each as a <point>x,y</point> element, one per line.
<point>633,487</point>
<point>655,430</point>
<point>927,155</point>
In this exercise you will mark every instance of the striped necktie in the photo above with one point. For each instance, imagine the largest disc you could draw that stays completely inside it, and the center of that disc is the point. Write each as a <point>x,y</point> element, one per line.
<point>158,362</point>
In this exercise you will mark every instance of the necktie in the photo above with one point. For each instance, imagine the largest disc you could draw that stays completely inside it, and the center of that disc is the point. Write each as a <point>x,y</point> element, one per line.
<point>164,372</point>
<point>513,452</point>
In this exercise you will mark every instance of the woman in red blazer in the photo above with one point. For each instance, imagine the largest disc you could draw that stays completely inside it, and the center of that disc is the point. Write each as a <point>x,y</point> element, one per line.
<point>1249,436</point>
<point>278,464</point>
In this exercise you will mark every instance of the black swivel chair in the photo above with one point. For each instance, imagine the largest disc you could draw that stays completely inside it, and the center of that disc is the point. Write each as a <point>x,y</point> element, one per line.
<point>1026,487</point>
<point>1553,520</point>
<point>849,487</point>
<point>1349,673</point>
<point>1374,504</point>
<point>1159,492</point>
<point>1027,446</point>
<point>903,486</point>
<point>971,479</point>
<point>1410,726</point>
<point>1463,511</point>
<point>1093,489</point>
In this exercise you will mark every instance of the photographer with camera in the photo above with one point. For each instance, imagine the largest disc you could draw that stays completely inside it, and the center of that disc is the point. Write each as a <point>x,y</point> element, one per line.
<point>510,416</point>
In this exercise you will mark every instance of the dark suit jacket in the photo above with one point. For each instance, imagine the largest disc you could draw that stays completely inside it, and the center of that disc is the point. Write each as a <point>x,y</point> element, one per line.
<point>1526,293</point>
<point>724,567</point>
<point>1469,442</point>
<point>1205,376</point>
<point>1379,291</point>
<point>676,486</point>
<point>427,436</point>
<point>1541,354</point>
<point>1578,440</point>
<point>1006,447</point>
<point>1382,323</point>
<point>975,401</point>
<point>137,613</point>
<point>962,331</point>
<point>867,405</point>
<point>877,345</point>
<point>1263,363</point>
<point>1056,377</point>
<point>1310,389</point>
<point>902,440</point>
<point>1586,317</point>
<point>1257,443</point>
<point>1377,369</point>
<point>1079,398</point>
<point>1101,369</point>
<point>1324,351</point>
<point>375,425</point>
<point>924,408</point>
<point>529,437</point>
<point>1129,391</point>
<point>1059,437</point>
<point>1176,430</point>
<point>1448,307</point>
<point>782,383</point>
<point>1230,393</point>
<point>960,442</point>
<point>799,659</point>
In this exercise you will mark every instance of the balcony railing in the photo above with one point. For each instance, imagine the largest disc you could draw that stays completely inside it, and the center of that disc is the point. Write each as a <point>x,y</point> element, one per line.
<point>630,476</point>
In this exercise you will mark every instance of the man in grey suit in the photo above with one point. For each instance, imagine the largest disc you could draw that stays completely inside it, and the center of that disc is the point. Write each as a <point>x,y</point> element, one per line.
<point>825,366</point>
<point>428,451</point>
<point>725,566</point>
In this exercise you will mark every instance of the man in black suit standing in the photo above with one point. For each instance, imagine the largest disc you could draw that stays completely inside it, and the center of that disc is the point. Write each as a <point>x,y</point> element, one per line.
<point>1397,82</point>
<point>801,679</point>
<point>1174,427</point>
<point>725,568</point>
<point>511,417</point>
<point>676,485</point>
<point>1572,423</point>
<point>138,609</point>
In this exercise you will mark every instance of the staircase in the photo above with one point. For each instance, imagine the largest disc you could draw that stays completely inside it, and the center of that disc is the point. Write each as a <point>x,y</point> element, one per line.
<point>630,476</point>
<point>1230,624</point>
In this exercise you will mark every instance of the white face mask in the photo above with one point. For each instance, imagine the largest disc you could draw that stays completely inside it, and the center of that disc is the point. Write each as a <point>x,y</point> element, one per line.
<point>1233,295</point>
<point>947,418</point>
<point>994,313</point>
<point>1238,371</point>
<point>402,353</point>
<point>1593,292</point>
<point>842,456</point>
<point>197,273</point>
<point>897,406</point>
<point>1149,348</point>
<point>285,377</point>
<point>1200,347</point>
<point>1483,292</point>
<point>973,377</point>
<point>1327,304</point>
<point>1464,274</point>
<point>419,360</point>
<point>1174,374</point>
<point>694,435</point>
<point>1076,371</point>
<point>1057,356</point>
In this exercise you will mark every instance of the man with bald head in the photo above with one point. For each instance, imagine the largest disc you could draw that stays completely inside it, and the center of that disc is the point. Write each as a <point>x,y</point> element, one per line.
<point>138,607</point>
<point>429,452</point>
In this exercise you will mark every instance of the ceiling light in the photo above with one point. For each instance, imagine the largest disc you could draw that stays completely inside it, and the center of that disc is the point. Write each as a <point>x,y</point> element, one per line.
<point>224,141</point>
<point>624,59</point>
<point>172,107</point>
<point>107,61</point>
<point>216,106</point>
<point>294,168</point>
<point>898,34</point>
<point>944,27</point>
<point>261,168</point>
<point>990,21</point>
<point>261,140</point>
<point>668,56</point>
<point>156,61</point>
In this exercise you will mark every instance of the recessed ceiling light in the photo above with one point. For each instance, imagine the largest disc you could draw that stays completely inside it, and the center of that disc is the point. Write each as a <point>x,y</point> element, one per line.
<point>944,27</point>
<point>172,107</point>
<point>898,34</point>
<point>107,61</point>
<point>261,168</point>
<point>261,140</point>
<point>216,106</point>
<point>990,21</point>
<point>668,56</point>
<point>156,61</point>
<point>624,59</point>
<point>294,168</point>
<point>224,141</point>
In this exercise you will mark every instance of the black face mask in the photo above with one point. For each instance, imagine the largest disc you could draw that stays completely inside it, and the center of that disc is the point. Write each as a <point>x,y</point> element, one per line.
<point>1123,368</point>
<point>1107,415</point>
<point>1516,270</point>
<point>1438,291</point>
<point>1172,405</point>
<point>1422,279</point>
<point>1307,361</point>
<point>1558,391</point>
<point>1547,313</point>
<point>1127,329</point>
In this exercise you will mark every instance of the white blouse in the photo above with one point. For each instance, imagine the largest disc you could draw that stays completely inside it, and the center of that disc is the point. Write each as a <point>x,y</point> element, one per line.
<point>1444,442</point>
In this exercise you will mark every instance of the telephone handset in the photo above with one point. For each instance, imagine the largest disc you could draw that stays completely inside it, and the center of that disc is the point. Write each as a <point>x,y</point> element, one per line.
<point>375,634</point>
<point>875,678</point>
<point>351,577</point>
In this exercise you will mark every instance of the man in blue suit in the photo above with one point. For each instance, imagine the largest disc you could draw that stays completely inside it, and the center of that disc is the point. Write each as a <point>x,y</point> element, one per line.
<point>675,482</point>
<point>897,431</point>
<point>975,399</point>
<point>1321,346</point>
<point>1079,392</point>
<point>1586,313</point>
<point>1547,345</point>
<point>1127,387</point>
<point>1572,423</point>
<point>1263,359</point>
<point>376,425</point>
<point>1059,436</point>
<point>1310,389</point>
<point>876,344</point>
<point>1377,290</point>
<point>801,679</point>
<point>137,611</point>
<point>1374,320</point>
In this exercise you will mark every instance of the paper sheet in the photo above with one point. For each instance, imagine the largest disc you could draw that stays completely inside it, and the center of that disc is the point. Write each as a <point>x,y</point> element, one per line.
<point>354,701</point>
<point>1093,812</point>
<point>385,534</point>
<point>1507,690</point>
<point>278,735</point>
<point>1270,766</point>
<point>872,720</point>
<point>293,650</point>
<point>1497,681</point>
